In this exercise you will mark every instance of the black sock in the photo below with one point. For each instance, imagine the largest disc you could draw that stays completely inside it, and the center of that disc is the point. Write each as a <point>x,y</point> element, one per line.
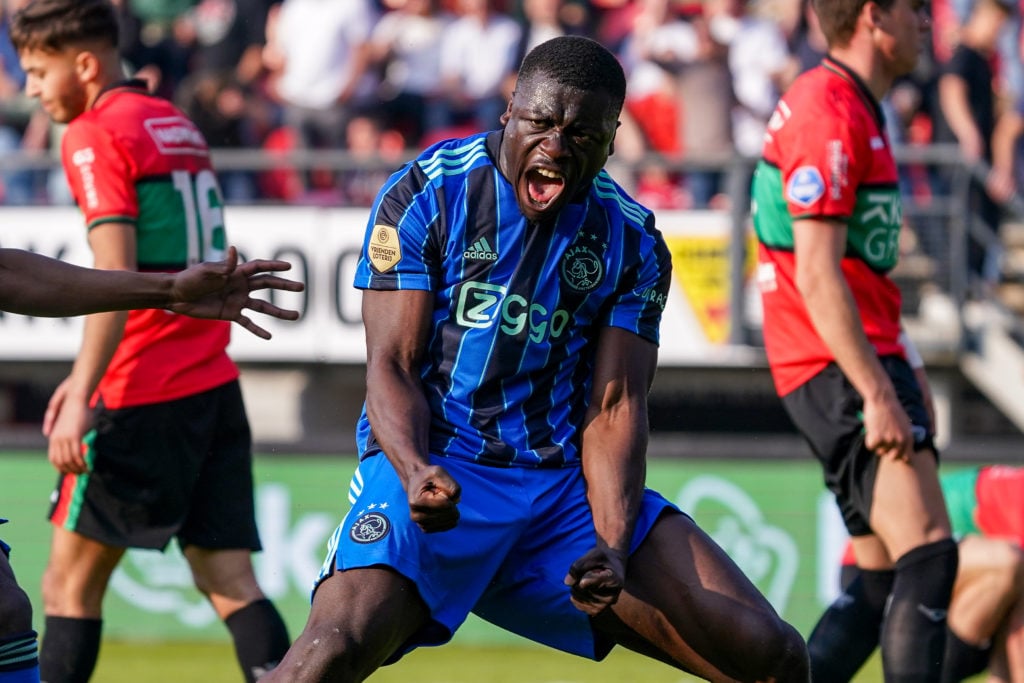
<point>963,660</point>
<point>914,632</point>
<point>260,637</point>
<point>848,631</point>
<point>70,649</point>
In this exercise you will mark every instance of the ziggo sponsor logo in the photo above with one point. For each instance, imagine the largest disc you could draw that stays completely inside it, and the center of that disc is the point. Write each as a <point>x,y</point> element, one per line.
<point>481,305</point>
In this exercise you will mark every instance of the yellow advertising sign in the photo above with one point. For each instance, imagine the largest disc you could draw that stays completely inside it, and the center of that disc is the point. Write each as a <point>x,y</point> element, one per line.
<point>700,265</point>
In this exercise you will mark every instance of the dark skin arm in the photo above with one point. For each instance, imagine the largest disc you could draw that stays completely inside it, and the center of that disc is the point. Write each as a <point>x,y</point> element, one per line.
<point>614,448</point>
<point>31,284</point>
<point>397,324</point>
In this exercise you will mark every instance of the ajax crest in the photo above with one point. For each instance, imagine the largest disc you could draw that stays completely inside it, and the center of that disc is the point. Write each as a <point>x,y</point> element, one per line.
<point>370,527</point>
<point>582,269</point>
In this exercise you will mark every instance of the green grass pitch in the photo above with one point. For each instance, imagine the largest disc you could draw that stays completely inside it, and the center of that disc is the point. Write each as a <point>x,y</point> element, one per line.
<point>123,662</point>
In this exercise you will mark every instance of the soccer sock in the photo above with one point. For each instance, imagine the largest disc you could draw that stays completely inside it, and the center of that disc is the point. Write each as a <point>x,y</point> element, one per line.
<point>19,658</point>
<point>848,631</point>
<point>70,648</point>
<point>914,631</point>
<point>963,660</point>
<point>260,637</point>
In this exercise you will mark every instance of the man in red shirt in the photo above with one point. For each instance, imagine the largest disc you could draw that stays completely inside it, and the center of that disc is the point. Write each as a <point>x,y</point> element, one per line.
<point>149,431</point>
<point>827,216</point>
<point>35,285</point>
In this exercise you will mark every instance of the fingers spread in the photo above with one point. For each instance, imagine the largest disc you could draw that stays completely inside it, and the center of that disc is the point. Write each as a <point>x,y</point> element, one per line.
<point>252,327</point>
<point>274,282</point>
<point>270,309</point>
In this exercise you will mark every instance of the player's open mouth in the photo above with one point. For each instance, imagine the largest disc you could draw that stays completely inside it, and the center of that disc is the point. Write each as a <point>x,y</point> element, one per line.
<point>544,185</point>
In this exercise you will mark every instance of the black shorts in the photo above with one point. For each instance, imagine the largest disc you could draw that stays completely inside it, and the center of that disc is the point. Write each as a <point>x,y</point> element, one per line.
<point>181,468</point>
<point>828,412</point>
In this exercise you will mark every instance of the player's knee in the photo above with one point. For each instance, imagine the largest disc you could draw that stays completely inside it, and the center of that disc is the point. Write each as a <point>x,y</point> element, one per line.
<point>1007,575</point>
<point>53,589</point>
<point>332,652</point>
<point>775,651</point>
<point>793,662</point>
<point>15,608</point>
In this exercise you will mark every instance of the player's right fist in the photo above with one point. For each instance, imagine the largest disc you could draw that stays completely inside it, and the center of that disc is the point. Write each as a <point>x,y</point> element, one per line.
<point>433,499</point>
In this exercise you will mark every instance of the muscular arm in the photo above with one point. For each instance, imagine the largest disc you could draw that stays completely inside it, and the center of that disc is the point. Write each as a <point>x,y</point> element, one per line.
<point>614,449</point>
<point>819,247</point>
<point>31,284</point>
<point>36,285</point>
<point>397,324</point>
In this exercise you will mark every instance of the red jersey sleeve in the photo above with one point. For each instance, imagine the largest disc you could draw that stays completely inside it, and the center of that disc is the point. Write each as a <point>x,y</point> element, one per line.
<point>1000,507</point>
<point>100,174</point>
<point>818,157</point>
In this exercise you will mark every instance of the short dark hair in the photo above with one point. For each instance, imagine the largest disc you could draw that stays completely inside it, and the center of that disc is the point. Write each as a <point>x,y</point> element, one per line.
<point>577,62</point>
<point>838,18</point>
<point>53,25</point>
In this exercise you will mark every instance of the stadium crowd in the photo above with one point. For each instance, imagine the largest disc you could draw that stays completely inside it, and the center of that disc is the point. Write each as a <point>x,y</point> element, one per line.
<point>378,77</point>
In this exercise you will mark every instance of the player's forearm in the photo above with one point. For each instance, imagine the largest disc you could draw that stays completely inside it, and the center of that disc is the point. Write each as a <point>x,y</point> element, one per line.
<point>101,335</point>
<point>614,454</point>
<point>834,314</point>
<point>31,284</point>
<point>399,416</point>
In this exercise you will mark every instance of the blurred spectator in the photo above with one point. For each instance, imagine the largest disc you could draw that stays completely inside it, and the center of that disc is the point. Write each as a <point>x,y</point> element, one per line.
<point>478,52</point>
<point>17,187</point>
<point>320,50</point>
<point>705,86</point>
<point>967,106</point>
<point>369,143</point>
<point>153,49</point>
<point>806,43</point>
<point>657,188</point>
<point>228,36</point>
<point>759,64</point>
<point>217,104</point>
<point>1005,178</point>
<point>543,20</point>
<point>406,43</point>
<point>654,52</point>
<point>159,11</point>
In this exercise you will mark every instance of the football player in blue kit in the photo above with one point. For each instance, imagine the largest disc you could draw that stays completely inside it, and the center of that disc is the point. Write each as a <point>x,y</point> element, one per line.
<point>512,299</point>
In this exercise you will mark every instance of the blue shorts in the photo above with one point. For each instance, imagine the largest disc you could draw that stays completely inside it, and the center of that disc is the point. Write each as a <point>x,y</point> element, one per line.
<point>519,531</point>
<point>4,548</point>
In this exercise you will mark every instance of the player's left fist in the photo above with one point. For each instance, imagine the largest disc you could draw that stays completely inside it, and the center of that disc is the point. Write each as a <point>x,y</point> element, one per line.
<point>596,579</point>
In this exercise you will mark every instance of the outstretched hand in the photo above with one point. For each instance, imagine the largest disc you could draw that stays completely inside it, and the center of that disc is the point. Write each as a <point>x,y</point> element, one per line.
<point>433,499</point>
<point>220,290</point>
<point>596,579</point>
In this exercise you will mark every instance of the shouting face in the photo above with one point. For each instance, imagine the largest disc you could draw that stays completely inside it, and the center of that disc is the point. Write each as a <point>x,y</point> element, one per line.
<point>557,138</point>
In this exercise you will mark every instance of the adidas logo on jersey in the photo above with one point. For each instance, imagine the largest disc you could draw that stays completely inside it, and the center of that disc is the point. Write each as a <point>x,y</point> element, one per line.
<point>480,251</point>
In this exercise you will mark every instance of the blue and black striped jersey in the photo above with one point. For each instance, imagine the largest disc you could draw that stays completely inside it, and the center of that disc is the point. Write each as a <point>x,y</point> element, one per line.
<point>518,305</point>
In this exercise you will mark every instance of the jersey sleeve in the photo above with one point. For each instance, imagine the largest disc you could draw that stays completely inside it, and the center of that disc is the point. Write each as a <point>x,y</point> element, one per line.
<point>641,300</point>
<point>823,160</point>
<point>100,175</point>
<point>399,249</point>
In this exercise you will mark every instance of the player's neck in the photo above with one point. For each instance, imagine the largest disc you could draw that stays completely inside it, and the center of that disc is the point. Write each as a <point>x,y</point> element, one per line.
<point>867,66</point>
<point>110,76</point>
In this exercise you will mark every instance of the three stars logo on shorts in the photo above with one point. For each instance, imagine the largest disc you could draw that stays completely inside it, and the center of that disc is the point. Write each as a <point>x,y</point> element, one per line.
<point>370,527</point>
